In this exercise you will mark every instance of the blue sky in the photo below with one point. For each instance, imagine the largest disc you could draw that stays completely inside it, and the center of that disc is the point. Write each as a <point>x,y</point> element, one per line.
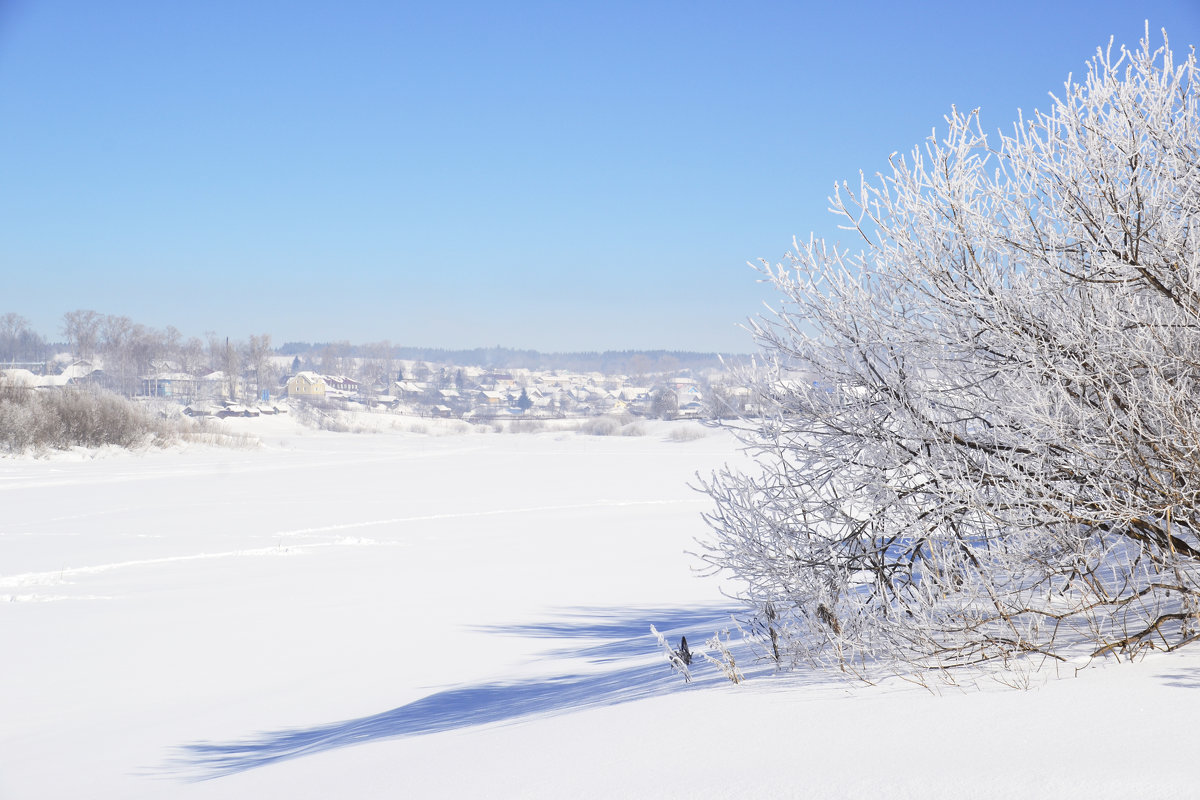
<point>558,176</point>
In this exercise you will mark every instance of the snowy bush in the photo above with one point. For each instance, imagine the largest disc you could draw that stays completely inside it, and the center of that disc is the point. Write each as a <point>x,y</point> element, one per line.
<point>37,420</point>
<point>526,426</point>
<point>679,659</point>
<point>600,426</point>
<point>979,437</point>
<point>633,428</point>
<point>329,416</point>
<point>687,433</point>
<point>612,425</point>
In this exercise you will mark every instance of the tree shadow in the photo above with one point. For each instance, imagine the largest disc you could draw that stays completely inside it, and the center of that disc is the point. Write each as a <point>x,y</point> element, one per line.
<point>625,635</point>
<point>628,669</point>
<point>1183,680</point>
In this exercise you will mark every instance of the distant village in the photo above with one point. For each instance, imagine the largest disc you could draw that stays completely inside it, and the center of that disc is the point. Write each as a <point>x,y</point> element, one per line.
<point>275,384</point>
<point>474,393</point>
<point>222,378</point>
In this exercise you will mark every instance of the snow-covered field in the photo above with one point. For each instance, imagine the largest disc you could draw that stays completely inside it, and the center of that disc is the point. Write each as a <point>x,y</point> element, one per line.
<point>467,615</point>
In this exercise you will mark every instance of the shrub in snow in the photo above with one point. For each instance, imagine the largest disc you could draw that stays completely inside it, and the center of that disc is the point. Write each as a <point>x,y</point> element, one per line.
<point>723,660</point>
<point>612,425</point>
<point>687,433</point>
<point>526,426</point>
<point>328,416</point>
<point>979,436</point>
<point>70,417</point>
<point>678,659</point>
<point>600,426</point>
<point>633,429</point>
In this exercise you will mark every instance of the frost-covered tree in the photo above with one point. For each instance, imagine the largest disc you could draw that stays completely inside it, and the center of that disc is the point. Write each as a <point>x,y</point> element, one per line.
<point>116,337</point>
<point>82,329</point>
<point>231,364</point>
<point>18,342</point>
<point>978,433</point>
<point>256,356</point>
<point>12,325</point>
<point>192,357</point>
<point>664,402</point>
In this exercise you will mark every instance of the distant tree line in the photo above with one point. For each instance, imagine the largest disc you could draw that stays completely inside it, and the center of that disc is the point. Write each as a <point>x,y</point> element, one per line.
<point>20,344</point>
<point>609,362</point>
<point>129,351</point>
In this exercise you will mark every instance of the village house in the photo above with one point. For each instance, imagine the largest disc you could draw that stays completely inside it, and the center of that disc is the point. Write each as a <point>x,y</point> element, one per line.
<point>491,399</point>
<point>340,383</point>
<point>306,385</point>
<point>174,385</point>
<point>498,381</point>
<point>408,390</point>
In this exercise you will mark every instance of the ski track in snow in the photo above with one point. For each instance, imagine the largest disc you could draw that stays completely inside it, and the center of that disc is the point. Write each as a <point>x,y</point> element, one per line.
<point>59,576</point>
<point>491,513</point>
<point>59,478</point>
<point>49,598</point>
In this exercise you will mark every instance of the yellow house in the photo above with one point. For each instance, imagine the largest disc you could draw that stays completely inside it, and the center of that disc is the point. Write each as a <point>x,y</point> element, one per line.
<point>306,384</point>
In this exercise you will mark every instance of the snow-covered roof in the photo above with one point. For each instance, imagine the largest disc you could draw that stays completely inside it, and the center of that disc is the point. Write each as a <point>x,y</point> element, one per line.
<point>19,377</point>
<point>78,369</point>
<point>25,378</point>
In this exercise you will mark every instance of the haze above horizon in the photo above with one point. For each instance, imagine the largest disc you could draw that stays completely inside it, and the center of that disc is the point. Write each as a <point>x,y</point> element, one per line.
<point>560,177</point>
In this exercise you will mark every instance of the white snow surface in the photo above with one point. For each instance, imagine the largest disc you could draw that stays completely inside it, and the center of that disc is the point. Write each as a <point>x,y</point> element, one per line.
<point>410,615</point>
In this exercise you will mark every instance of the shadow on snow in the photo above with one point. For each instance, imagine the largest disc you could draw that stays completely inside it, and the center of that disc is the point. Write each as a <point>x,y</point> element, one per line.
<point>624,635</point>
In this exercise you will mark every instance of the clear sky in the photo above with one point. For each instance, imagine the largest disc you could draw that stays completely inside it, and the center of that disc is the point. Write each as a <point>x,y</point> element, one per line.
<point>558,176</point>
